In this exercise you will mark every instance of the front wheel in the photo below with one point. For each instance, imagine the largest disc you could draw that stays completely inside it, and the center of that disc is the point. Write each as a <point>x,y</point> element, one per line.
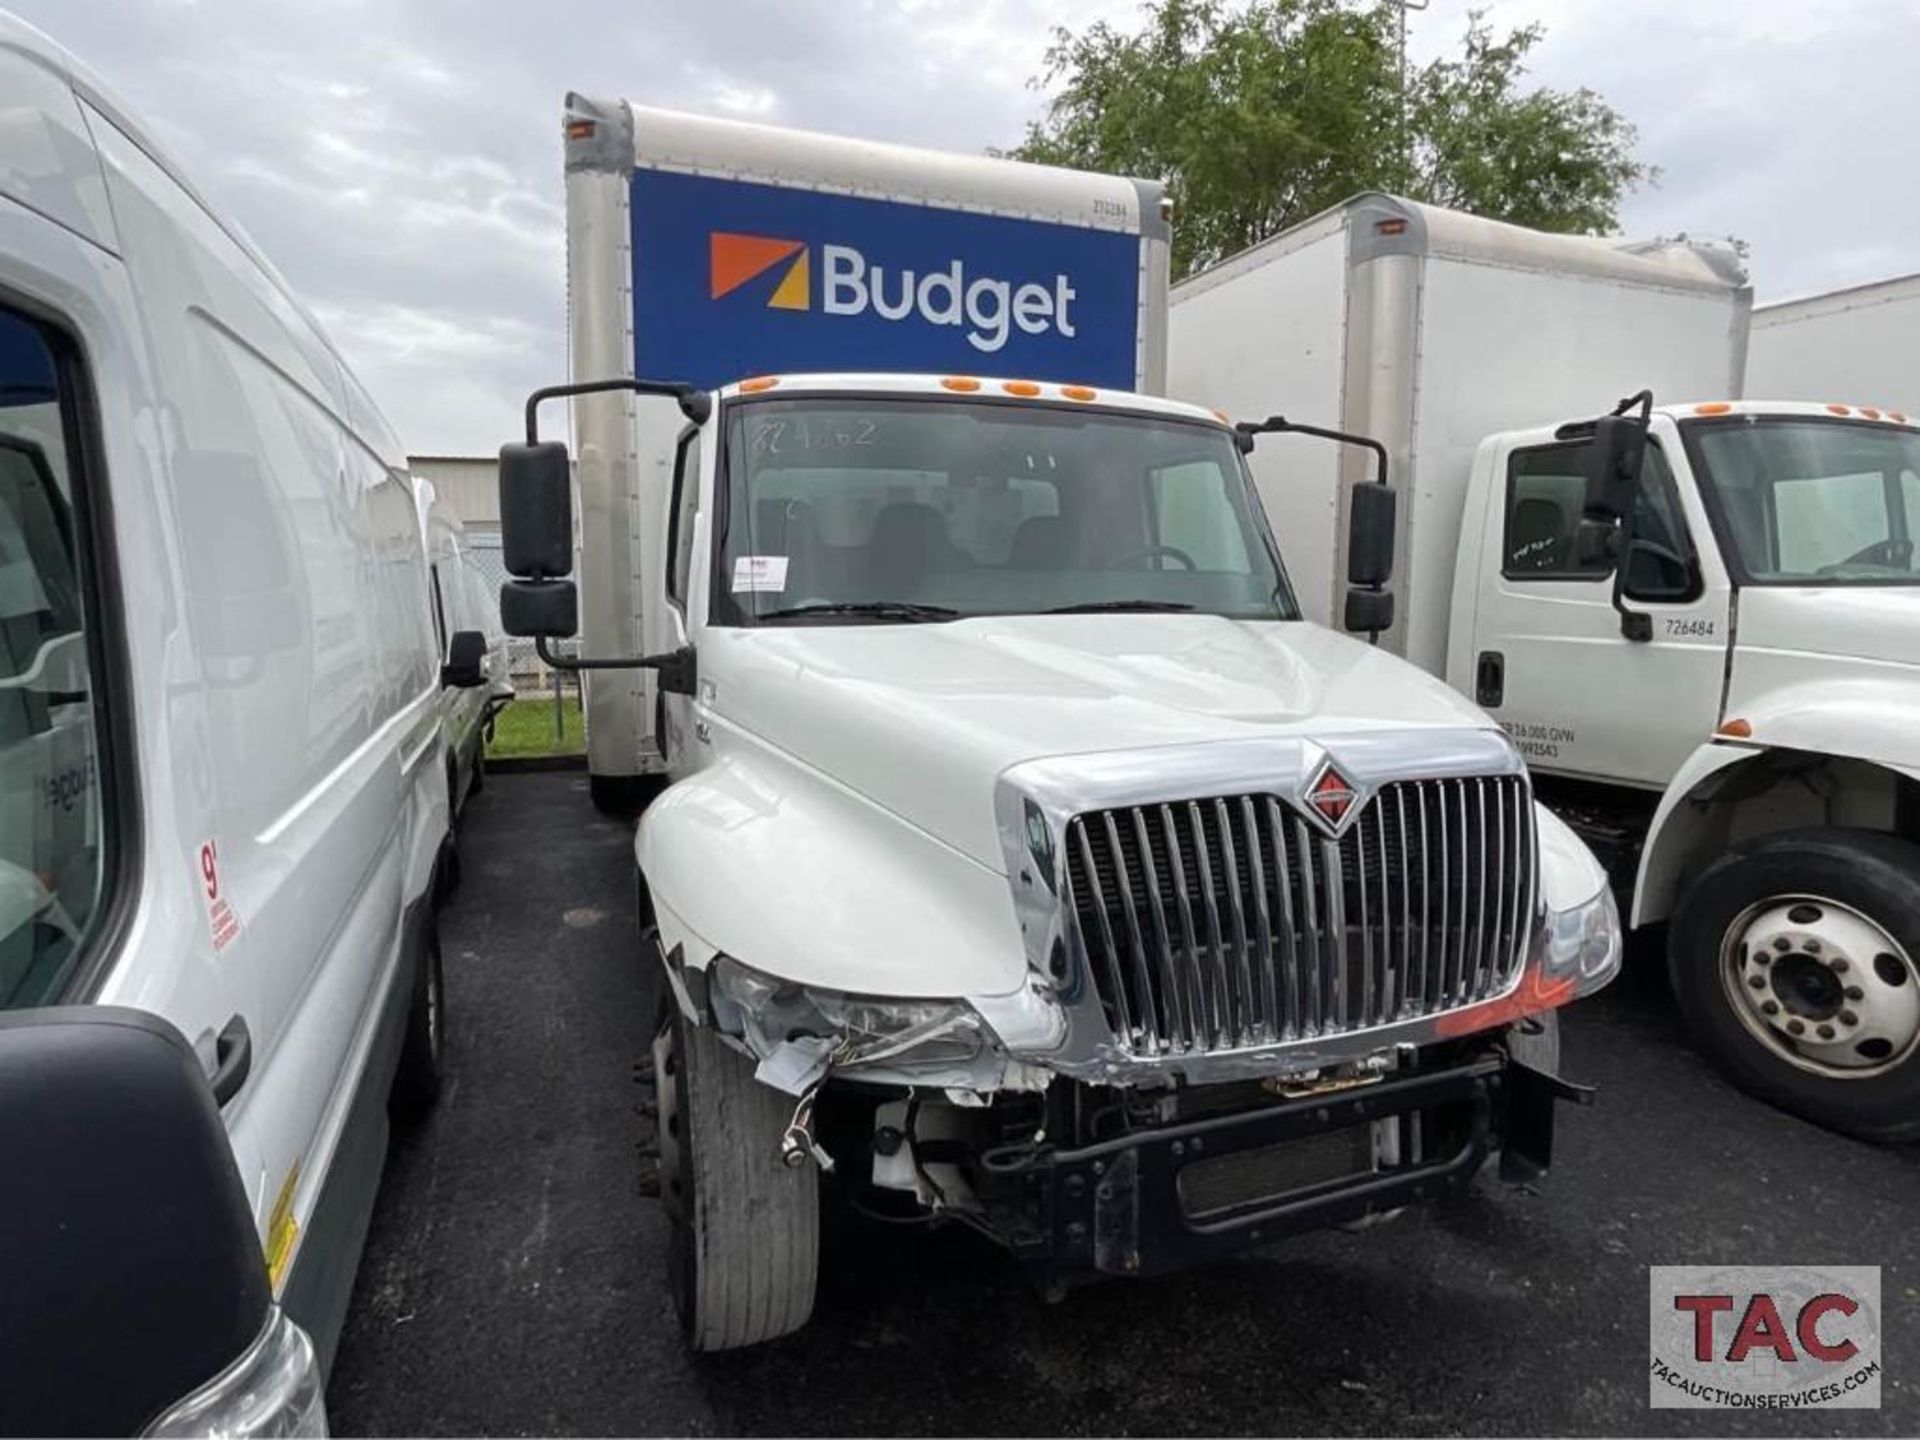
<point>1792,958</point>
<point>745,1246</point>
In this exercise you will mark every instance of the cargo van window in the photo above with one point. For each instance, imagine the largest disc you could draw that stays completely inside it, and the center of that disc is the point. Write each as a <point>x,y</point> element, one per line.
<point>51,817</point>
<point>1546,495</point>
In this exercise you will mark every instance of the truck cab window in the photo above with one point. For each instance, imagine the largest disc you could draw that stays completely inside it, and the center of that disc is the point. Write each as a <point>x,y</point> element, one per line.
<point>51,817</point>
<point>979,509</point>
<point>686,502</point>
<point>1546,495</point>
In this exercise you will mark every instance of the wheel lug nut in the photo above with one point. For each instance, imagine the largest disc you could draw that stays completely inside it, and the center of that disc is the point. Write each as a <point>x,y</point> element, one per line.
<point>1758,982</point>
<point>1761,957</point>
<point>1854,992</point>
<point>1847,1017</point>
<point>1839,964</point>
<point>1771,1007</point>
<point>1783,945</point>
<point>1794,1027</point>
<point>1826,1032</point>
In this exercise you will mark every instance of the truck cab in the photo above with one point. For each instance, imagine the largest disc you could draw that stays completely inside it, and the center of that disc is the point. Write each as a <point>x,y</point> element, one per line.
<point>1724,698</point>
<point>1030,864</point>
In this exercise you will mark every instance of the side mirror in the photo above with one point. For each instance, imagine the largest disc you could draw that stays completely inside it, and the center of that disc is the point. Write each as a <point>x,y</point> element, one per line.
<point>466,661</point>
<point>543,609</point>
<point>536,510</point>
<point>1373,509</point>
<point>1613,465</point>
<point>131,1278</point>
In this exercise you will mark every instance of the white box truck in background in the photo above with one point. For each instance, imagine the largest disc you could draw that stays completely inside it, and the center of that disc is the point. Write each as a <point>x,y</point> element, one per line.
<point>1732,717</point>
<point>1860,345</point>
<point>710,250</point>
<point>1026,861</point>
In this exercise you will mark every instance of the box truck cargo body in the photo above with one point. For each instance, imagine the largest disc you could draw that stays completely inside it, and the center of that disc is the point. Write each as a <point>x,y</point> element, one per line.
<point>708,251</point>
<point>1697,617</point>
<point>1860,345</point>
<point>1428,329</point>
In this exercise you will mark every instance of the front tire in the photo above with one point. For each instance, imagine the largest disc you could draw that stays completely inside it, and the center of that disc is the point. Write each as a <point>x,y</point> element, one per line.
<point>745,1249</point>
<point>1793,960</point>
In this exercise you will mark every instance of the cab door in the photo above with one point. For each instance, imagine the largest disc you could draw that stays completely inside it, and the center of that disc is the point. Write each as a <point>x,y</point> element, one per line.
<point>1549,659</point>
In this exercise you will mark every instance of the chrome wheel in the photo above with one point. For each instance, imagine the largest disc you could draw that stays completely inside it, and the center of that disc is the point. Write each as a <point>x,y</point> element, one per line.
<point>1824,986</point>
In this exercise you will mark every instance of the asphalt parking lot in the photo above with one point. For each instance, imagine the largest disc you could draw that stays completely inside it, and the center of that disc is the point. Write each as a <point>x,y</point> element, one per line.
<point>512,1282</point>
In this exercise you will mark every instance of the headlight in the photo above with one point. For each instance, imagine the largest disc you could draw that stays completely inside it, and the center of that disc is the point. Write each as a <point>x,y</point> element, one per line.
<point>767,1013</point>
<point>272,1390</point>
<point>1584,943</point>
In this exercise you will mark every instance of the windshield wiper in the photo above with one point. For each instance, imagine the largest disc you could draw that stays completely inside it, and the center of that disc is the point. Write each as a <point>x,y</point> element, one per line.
<point>1092,607</point>
<point>905,610</point>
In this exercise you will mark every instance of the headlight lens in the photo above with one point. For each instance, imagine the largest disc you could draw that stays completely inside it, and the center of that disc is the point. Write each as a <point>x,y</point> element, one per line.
<point>273,1390</point>
<point>768,1012</point>
<point>1584,943</point>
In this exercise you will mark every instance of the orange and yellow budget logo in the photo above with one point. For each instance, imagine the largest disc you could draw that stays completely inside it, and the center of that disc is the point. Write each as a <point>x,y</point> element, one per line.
<point>734,260</point>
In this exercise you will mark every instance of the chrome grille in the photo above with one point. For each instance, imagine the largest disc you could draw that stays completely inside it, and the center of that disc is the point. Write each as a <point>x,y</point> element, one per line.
<point>1232,922</point>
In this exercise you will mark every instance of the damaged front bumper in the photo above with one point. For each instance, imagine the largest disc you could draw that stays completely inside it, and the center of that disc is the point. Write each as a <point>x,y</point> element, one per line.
<point>1166,1197</point>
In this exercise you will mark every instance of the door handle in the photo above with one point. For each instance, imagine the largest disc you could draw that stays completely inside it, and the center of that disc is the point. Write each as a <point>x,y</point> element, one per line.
<point>233,1060</point>
<point>1490,685</point>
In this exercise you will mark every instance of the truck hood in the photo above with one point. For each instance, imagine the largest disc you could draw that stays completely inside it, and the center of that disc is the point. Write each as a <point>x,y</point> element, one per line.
<point>1877,623</point>
<point>922,719</point>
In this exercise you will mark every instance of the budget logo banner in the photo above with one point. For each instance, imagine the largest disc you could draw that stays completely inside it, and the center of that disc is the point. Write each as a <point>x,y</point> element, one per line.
<point>1764,1337</point>
<point>735,278</point>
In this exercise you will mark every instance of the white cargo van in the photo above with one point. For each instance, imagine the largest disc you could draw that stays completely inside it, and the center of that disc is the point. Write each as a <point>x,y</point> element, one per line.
<point>1732,715</point>
<point>222,795</point>
<point>1028,861</point>
<point>466,627</point>
<point>1860,344</point>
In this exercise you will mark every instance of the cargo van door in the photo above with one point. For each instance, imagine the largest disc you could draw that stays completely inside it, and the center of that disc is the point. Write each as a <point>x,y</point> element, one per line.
<point>1549,660</point>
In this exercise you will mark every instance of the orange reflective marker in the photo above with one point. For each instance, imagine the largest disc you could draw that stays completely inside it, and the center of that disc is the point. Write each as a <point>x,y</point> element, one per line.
<point>1712,407</point>
<point>1079,392</point>
<point>1024,388</point>
<point>1737,730</point>
<point>758,383</point>
<point>963,383</point>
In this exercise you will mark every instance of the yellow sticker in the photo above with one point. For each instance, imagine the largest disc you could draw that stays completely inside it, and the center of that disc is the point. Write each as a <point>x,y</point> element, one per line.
<point>282,1229</point>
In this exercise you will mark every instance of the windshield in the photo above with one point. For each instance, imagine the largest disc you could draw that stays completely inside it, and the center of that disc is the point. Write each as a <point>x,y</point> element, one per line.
<point>874,509</point>
<point>1810,501</point>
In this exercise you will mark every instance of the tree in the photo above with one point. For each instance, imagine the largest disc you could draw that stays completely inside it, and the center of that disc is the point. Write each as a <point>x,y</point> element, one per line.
<point>1261,115</point>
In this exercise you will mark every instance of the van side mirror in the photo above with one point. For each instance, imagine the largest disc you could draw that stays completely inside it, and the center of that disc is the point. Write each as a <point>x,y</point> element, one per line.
<point>466,661</point>
<point>131,1273</point>
<point>1372,512</point>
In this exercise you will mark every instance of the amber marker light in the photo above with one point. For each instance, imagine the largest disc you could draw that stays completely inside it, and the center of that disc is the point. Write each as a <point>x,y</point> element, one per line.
<point>758,383</point>
<point>1026,389</point>
<point>1713,407</point>
<point>1736,730</point>
<point>965,384</point>
<point>1079,392</point>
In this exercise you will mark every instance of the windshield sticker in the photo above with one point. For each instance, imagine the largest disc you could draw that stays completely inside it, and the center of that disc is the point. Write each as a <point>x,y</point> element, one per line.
<point>753,574</point>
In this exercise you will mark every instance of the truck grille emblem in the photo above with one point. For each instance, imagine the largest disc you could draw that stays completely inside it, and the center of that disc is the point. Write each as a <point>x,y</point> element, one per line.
<point>1331,796</point>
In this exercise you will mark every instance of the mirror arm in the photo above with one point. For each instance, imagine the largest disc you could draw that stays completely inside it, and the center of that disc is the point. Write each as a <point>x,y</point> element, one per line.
<point>1635,625</point>
<point>694,402</point>
<point>1246,430</point>
<point>677,668</point>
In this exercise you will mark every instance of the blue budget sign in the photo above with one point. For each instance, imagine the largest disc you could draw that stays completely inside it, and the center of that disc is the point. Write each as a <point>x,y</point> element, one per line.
<point>732,279</point>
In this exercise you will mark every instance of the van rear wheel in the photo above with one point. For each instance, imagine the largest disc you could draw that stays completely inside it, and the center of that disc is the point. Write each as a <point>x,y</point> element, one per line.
<point>1793,960</point>
<point>416,1082</point>
<point>744,1252</point>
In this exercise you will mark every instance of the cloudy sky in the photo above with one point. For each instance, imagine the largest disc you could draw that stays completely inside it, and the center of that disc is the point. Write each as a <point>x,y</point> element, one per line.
<point>399,159</point>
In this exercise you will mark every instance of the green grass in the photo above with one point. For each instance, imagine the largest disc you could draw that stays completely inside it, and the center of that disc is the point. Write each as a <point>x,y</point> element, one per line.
<point>526,728</point>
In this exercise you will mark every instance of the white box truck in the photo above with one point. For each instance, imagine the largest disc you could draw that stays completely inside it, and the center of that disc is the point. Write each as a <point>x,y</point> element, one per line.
<point>1860,344</point>
<point>222,800</point>
<point>1732,715</point>
<point>1028,861</point>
